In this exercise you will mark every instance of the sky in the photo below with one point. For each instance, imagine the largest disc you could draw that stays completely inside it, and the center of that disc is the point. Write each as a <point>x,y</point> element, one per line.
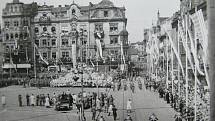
<point>140,13</point>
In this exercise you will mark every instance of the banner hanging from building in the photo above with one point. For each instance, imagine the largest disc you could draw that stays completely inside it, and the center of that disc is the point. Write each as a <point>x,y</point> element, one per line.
<point>166,29</point>
<point>40,55</point>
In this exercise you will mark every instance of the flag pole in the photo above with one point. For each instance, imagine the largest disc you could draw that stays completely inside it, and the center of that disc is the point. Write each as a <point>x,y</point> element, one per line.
<point>179,84</point>
<point>26,53</point>
<point>195,87</point>
<point>167,65</point>
<point>10,64</point>
<point>172,69</point>
<point>35,69</point>
<point>186,63</point>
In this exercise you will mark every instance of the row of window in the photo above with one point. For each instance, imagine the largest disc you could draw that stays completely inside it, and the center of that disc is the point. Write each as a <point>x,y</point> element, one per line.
<point>54,55</point>
<point>16,36</point>
<point>64,42</point>
<point>53,29</point>
<point>113,27</point>
<point>7,24</point>
<point>98,26</point>
<point>46,43</point>
<point>15,9</point>
<point>65,54</point>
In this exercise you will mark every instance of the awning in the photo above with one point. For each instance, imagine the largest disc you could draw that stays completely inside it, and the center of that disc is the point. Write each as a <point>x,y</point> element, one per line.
<point>8,65</point>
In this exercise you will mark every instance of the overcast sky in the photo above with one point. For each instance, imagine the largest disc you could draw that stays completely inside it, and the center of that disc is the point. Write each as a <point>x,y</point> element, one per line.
<point>140,13</point>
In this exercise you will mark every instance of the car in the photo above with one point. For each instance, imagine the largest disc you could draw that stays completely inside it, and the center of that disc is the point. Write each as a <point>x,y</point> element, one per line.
<point>62,103</point>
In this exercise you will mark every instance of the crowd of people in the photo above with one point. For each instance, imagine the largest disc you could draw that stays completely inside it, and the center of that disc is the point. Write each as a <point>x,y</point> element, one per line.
<point>178,102</point>
<point>37,100</point>
<point>74,78</point>
<point>104,102</point>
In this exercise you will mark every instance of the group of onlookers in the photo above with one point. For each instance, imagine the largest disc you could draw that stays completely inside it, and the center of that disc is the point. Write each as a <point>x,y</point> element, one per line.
<point>104,103</point>
<point>37,100</point>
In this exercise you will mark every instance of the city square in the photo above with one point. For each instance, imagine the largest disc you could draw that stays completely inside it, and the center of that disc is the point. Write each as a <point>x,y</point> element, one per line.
<point>105,60</point>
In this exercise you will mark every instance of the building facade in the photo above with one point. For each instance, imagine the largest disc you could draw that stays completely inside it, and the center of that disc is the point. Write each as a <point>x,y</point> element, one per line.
<point>17,45</point>
<point>64,34</point>
<point>58,30</point>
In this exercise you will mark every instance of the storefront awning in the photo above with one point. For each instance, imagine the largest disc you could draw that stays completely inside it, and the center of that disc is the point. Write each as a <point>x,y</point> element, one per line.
<point>8,65</point>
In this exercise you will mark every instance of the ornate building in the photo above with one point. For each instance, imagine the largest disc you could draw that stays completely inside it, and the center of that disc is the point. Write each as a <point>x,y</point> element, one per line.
<point>64,34</point>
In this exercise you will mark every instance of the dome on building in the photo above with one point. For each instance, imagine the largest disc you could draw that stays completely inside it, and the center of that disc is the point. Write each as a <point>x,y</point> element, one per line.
<point>105,3</point>
<point>123,32</point>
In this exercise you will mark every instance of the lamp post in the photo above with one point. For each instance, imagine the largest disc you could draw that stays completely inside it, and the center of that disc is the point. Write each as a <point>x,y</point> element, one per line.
<point>82,81</point>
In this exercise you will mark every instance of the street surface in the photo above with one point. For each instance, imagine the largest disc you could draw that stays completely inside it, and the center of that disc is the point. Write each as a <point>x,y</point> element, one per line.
<point>144,103</point>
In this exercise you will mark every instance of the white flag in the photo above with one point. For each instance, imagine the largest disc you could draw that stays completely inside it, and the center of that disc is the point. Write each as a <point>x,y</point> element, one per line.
<point>41,57</point>
<point>165,27</point>
<point>187,49</point>
<point>99,47</point>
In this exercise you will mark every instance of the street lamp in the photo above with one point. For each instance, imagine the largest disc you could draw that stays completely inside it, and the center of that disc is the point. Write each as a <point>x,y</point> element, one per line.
<point>83,41</point>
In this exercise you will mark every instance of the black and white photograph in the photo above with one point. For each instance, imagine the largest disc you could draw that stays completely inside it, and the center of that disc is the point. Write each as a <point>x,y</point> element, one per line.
<point>107,60</point>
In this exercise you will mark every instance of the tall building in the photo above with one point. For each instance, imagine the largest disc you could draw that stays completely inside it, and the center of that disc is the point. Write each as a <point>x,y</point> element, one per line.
<point>66,34</point>
<point>17,18</point>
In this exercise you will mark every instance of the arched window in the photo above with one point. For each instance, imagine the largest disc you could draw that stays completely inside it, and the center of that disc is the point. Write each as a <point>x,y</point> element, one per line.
<point>16,35</point>
<point>25,22</point>
<point>15,9</point>
<point>44,29</point>
<point>11,35</point>
<point>53,29</point>
<point>7,36</point>
<point>25,35</point>
<point>44,14</point>
<point>11,9</point>
<point>73,11</point>
<point>36,30</point>
<point>21,35</point>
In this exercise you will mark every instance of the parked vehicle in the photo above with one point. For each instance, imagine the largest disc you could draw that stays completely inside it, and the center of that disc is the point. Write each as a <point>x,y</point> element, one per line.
<point>62,103</point>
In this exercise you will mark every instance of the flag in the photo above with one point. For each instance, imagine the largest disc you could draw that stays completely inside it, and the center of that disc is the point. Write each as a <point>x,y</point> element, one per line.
<point>165,27</point>
<point>201,31</point>
<point>186,49</point>
<point>122,52</point>
<point>92,63</point>
<point>26,54</point>
<point>11,62</point>
<point>193,50</point>
<point>99,47</point>
<point>122,67</point>
<point>16,44</point>
<point>98,37</point>
<point>40,55</point>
